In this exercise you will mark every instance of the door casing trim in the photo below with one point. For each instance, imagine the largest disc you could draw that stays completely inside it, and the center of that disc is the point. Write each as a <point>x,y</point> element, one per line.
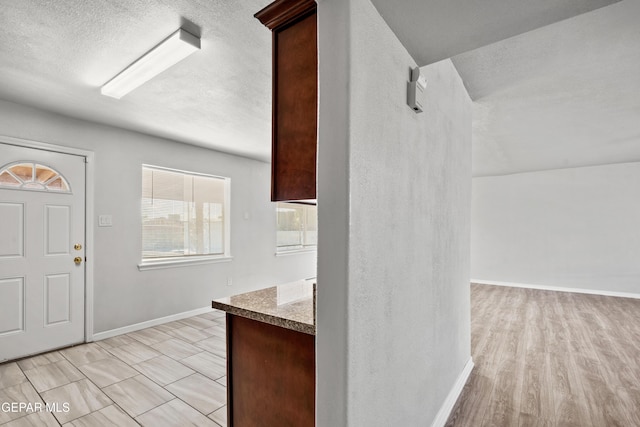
<point>89,217</point>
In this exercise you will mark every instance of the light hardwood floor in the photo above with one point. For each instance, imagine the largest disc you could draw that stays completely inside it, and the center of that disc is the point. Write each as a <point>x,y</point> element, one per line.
<point>168,375</point>
<point>545,358</point>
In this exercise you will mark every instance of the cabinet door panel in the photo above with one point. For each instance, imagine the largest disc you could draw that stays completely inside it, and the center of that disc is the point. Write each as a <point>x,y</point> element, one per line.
<point>295,97</point>
<point>270,375</point>
<point>295,111</point>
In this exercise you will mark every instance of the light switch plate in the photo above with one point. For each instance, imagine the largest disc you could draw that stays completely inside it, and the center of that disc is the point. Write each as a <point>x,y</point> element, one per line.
<point>105,221</point>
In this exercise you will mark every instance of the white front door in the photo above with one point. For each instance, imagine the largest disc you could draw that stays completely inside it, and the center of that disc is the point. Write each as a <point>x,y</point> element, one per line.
<point>42,230</point>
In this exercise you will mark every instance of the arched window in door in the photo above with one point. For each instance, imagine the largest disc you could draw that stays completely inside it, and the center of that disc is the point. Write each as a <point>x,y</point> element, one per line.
<point>27,175</point>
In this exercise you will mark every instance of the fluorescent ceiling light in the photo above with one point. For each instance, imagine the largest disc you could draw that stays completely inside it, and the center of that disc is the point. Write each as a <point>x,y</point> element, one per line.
<point>172,50</point>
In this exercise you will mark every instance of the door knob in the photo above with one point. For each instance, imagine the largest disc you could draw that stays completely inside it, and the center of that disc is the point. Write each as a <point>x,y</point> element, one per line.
<point>77,260</point>
<point>77,246</point>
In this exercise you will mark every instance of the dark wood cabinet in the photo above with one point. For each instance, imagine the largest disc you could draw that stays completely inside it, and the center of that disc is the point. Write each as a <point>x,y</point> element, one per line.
<point>295,97</point>
<point>271,377</point>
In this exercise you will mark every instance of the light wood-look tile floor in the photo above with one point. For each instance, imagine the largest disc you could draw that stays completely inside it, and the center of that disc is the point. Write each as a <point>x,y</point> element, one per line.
<point>168,375</point>
<point>546,358</point>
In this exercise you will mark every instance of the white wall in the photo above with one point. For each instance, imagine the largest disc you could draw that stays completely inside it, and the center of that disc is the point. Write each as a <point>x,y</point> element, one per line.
<point>124,295</point>
<point>575,228</point>
<point>393,331</point>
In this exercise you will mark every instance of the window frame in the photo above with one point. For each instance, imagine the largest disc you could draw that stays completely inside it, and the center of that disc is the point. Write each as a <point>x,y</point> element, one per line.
<point>186,260</point>
<point>294,249</point>
<point>43,186</point>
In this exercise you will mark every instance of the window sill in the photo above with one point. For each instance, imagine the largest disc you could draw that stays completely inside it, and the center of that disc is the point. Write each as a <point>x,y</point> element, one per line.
<point>296,251</point>
<point>182,262</point>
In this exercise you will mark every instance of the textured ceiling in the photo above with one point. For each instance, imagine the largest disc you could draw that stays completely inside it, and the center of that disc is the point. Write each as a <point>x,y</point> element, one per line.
<point>433,30</point>
<point>565,95</point>
<point>568,86</point>
<point>55,55</point>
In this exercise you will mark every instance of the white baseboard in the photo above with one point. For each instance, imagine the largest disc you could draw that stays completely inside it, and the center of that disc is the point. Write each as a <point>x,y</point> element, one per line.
<point>558,289</point>
<point>452,397</point>
<point>149,323</point>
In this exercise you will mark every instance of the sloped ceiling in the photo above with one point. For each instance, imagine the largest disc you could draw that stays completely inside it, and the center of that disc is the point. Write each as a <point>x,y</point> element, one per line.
<point>432,30</point>
<point>565,95</point>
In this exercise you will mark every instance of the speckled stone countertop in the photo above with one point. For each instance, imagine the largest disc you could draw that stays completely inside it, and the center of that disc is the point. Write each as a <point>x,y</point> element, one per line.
<point>291,305</point>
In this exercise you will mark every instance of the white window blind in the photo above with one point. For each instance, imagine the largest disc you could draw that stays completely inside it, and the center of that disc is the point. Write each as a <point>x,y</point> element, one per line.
<point>183,214</point>
<point>297,226</point>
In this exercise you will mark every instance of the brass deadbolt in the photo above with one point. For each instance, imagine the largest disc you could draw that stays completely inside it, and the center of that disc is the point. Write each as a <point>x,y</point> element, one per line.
<point>77,246</point>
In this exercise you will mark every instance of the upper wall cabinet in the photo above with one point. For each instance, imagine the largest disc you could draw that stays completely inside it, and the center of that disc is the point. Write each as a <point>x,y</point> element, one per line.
<point>295,98</point>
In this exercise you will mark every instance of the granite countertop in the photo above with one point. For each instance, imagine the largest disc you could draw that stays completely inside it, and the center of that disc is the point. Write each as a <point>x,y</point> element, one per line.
<point>291,305</point>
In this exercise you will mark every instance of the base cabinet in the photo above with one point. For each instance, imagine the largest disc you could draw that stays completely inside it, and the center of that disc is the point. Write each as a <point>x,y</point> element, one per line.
<point>270,375</point>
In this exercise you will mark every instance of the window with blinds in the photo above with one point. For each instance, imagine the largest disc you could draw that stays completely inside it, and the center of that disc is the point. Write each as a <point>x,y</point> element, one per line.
<point>297,226</point>
<point>183,214</point>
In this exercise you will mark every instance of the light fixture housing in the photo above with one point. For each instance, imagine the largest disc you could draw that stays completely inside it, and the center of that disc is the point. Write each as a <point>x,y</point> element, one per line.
<point>169,52</point>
